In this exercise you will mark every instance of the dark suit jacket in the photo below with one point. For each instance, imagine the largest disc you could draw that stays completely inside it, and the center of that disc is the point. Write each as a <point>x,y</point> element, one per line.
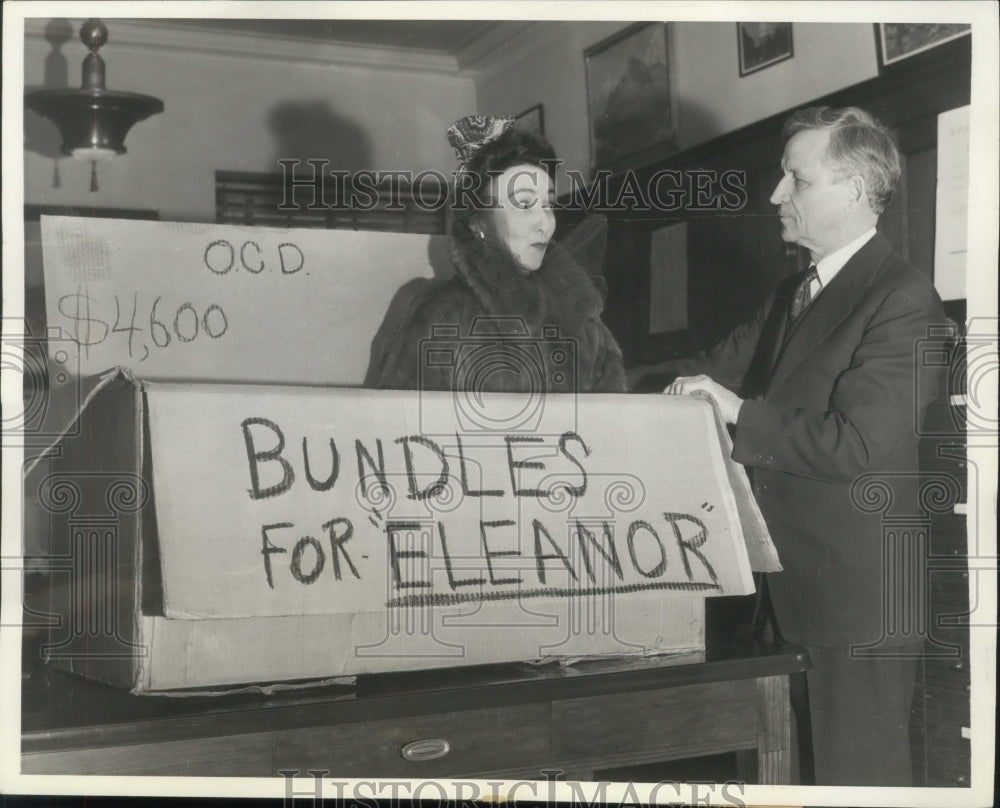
<point>835,396</point>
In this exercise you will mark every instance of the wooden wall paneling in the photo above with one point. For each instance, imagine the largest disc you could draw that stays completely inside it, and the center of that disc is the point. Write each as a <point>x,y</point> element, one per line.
<point>893,221</point>
<point>921,170</point>
<point>918,730</point>
<point>626,311</point>
<point>944,688</point>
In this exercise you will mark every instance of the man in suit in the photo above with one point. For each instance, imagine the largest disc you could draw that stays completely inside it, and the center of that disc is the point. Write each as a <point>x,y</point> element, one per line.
<point>822,387</point>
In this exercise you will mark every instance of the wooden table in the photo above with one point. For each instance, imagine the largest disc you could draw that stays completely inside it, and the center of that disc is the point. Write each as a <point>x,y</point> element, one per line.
<point>499,721</point>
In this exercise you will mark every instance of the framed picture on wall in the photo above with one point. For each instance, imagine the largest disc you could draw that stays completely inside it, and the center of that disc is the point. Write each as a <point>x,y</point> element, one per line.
<point>631,100</point>
<point>532,120</point>
<point>896,41</point>
<point>763,44</point>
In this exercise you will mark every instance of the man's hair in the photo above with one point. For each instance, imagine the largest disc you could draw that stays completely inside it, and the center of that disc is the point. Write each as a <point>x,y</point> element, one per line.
<point>859,144</point>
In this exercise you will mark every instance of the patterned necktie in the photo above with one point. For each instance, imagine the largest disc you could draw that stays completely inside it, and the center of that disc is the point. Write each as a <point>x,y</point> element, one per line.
<point>803,294</point>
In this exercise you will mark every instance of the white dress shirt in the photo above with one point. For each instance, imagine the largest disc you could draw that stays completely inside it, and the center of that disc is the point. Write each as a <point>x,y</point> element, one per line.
<point>830,265</point>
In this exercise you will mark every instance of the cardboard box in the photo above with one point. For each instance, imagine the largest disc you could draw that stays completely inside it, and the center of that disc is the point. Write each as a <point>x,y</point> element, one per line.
<point>205,302</point>
<point>225,534</point>
<point>194,548</point>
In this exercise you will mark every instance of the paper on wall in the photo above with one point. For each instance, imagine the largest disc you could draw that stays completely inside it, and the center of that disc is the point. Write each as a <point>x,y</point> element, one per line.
<point>952,208</point>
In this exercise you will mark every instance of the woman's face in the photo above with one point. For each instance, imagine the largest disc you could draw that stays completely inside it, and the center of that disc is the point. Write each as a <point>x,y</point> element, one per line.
<point>521,218</point>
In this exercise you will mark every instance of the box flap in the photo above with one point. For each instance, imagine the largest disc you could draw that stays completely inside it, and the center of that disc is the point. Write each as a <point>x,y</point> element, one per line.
<point>220,302</point>
<point>760,549</point>
<point>86,392</point>
<point>293,501</point>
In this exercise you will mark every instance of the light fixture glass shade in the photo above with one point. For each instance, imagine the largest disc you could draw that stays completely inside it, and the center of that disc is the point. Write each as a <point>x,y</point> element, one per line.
<point>92,154</point>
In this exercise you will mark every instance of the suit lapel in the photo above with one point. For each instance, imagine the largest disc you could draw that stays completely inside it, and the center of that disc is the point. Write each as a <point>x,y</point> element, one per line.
<point>830,309</point>
<point>783,305</point>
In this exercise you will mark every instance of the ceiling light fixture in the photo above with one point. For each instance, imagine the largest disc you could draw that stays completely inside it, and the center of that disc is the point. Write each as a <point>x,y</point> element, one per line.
<point>93,120</point>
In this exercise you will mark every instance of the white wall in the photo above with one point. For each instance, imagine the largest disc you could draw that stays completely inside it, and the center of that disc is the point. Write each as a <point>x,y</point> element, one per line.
<point>548,67</point>
<point>715,100</point>
<point>217,108</point>
<point>218,103</point>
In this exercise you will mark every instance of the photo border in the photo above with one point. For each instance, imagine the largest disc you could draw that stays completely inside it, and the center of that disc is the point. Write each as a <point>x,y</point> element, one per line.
<point>982,254</point>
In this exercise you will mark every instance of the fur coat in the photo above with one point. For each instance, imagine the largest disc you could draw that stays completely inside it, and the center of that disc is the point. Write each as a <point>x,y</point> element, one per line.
<point>495,328</point>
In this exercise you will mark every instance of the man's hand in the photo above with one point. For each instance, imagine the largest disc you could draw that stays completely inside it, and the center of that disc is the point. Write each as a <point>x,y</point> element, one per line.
<point>728,403</point>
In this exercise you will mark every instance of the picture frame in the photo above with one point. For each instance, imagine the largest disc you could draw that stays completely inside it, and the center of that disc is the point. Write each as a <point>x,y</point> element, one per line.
<point>532,120</point>
<point>631,98</point>
<point>896,41</point>
<point>763,44</point>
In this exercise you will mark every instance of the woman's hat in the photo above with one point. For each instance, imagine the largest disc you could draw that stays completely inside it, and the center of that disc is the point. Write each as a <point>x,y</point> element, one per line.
<point>469,134</point>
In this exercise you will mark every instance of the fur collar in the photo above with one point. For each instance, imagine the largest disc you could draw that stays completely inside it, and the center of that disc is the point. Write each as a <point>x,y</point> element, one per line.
<point>559,292</point>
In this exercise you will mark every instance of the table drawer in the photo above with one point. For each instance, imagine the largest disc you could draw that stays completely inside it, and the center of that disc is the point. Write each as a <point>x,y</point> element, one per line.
<point>230,756</point>
<point>477,740</point>
<point>685,719</point>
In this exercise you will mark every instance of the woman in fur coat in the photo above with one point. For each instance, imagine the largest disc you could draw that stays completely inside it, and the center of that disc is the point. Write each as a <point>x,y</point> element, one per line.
<point>520,315</point>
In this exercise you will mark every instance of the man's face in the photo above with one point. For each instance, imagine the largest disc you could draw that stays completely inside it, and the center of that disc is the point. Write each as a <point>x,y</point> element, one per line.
<point>813,200</point>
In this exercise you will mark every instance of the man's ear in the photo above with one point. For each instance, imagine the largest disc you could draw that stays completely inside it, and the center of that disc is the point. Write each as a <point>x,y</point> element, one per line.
<point>858,191</point>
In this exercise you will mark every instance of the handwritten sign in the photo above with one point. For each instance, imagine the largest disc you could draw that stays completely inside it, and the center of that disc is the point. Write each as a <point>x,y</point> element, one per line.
<point>296,501</point>
<point>218,302</point>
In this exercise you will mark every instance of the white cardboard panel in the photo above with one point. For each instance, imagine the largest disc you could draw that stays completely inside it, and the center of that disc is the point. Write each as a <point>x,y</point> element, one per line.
<point>208,302</point>
<point>186,654</point>
<point>761,551</point>
<point>646,476</point>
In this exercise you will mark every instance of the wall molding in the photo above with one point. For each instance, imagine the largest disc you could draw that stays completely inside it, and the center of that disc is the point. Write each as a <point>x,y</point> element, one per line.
<point>471,55</point>
<point>508,42</point>
<point>164,35</point>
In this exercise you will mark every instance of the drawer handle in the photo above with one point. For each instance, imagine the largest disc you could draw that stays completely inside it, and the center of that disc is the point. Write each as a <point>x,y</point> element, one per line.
<point>426,749</point>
